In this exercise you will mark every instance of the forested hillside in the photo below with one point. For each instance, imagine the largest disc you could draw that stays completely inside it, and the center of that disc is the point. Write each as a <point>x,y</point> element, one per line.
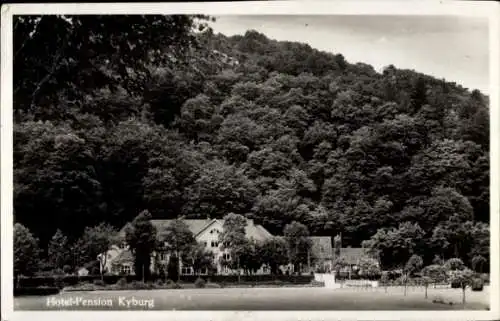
<point>114,115</point>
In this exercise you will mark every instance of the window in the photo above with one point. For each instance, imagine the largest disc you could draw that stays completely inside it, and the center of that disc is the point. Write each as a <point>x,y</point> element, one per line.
<point>205,243</point>
<point>125,269</point>
<point>225,269</point>
<point>214,231</point>
<point>265,269</point>
<point>204,271</point>
<point>214,244</point>
<point>226,256</point>
<point>162,256</point>
<point>187,270</point>
<point>123,245</point>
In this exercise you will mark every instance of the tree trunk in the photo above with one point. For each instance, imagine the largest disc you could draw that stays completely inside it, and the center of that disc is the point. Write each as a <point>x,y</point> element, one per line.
<point>405,284</point>
<point>238,267</point>
<point>426,291</point>
<point>463,295</point>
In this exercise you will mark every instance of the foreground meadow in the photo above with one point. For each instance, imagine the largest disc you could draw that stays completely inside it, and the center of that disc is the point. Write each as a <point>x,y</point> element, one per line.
<point>266,299</point>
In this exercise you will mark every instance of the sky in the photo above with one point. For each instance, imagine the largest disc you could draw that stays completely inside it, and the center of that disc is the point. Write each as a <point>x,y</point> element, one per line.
<point>451,47</point>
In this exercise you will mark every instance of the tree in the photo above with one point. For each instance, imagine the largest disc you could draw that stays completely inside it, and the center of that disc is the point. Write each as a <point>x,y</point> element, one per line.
<point>464,278</point>
<point>273,252</point>
<point>369,268</point>
<point>58,250</point>
<point>77,54</point>
<point>454,264</point>
<point>26,252</point>
<point>141,238</point>
<point>394,246</point>
<point>249,257</point>
<point>178,239</point>
<point>95,243</point>
<point>384,279</point>
<point>299,244</point>
<point>433,274</point>
<point>477,263</point>
<point>413,265</point>
<point>233,237</point>
<point>199,258</point>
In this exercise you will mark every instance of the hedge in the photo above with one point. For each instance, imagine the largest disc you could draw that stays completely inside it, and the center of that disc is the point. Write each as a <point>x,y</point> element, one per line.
<point>43,290</point>
<point>68,280</point>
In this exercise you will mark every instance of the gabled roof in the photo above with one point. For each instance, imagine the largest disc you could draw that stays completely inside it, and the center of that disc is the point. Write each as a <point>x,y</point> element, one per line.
<point>196,226</point>
<point>353,254</point>
<point>125,256</point>
<point>321,247</point>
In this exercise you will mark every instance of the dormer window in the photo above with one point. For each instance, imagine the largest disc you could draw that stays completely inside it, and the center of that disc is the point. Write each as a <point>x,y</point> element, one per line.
<point>214,231</point>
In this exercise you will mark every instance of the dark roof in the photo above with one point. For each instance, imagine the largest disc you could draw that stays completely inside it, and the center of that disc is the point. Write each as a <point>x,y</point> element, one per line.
<point>125,256</point>
<point>196,226</point>
<point>353,254</point>
<point>322,247</point>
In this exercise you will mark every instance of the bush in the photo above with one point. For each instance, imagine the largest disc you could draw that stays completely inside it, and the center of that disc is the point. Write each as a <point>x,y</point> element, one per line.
<point>138,285</point>
<point>85,286</point>
<point>456,285</point>
<point>121,282</point>
<point>199,283</point>
<point>213,285</point>
<point>159,282</point>
<point>485,277</point>
<point>315,283</point>
<point>99,282</point>
<point>36,291</point>
<point>477,284</point>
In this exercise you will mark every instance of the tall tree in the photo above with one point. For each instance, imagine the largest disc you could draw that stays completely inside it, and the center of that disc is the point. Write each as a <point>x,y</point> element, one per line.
<point>77,54</point>
<point>58,250</point>
<point>26,252</point>
<point>273,252</point>
<point>141,238</point>
<point>95,243</point>
<point>299,244</point>
<point>178,240</point>
<point>233,237</point>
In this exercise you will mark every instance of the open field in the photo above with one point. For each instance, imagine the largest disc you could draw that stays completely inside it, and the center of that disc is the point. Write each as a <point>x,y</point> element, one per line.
<point>267,299</point>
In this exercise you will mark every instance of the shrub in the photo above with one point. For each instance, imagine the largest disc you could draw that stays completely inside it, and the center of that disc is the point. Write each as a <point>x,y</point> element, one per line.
<point>315,283</point>
<point>138,285</point>
<point>170,282</point>
<point>121,282</point>
<point>159,282</point>
<point>213,285</point>
<point>36,291</point>
<point>199,283</point>
<point>477,284</point>
<point>99,282</point>
<point>455,285</point>
<point>485,277</point>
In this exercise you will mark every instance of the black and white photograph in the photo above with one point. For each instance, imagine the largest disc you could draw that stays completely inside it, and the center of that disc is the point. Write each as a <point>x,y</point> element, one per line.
<point>236,161</point>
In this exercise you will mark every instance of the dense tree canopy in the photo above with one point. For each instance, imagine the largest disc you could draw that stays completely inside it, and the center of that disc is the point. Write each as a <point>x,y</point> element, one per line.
<point>119,114</point>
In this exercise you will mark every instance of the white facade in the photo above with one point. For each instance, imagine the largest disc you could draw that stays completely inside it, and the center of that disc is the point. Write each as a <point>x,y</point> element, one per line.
<point>119,260</point>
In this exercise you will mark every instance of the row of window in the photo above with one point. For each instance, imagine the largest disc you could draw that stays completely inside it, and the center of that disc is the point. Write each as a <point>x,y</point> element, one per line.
<point>127,269</point>
<point>162,256</point>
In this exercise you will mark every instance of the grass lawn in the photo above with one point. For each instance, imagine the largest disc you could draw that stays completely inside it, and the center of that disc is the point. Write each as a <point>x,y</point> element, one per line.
<point>269,299</point>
